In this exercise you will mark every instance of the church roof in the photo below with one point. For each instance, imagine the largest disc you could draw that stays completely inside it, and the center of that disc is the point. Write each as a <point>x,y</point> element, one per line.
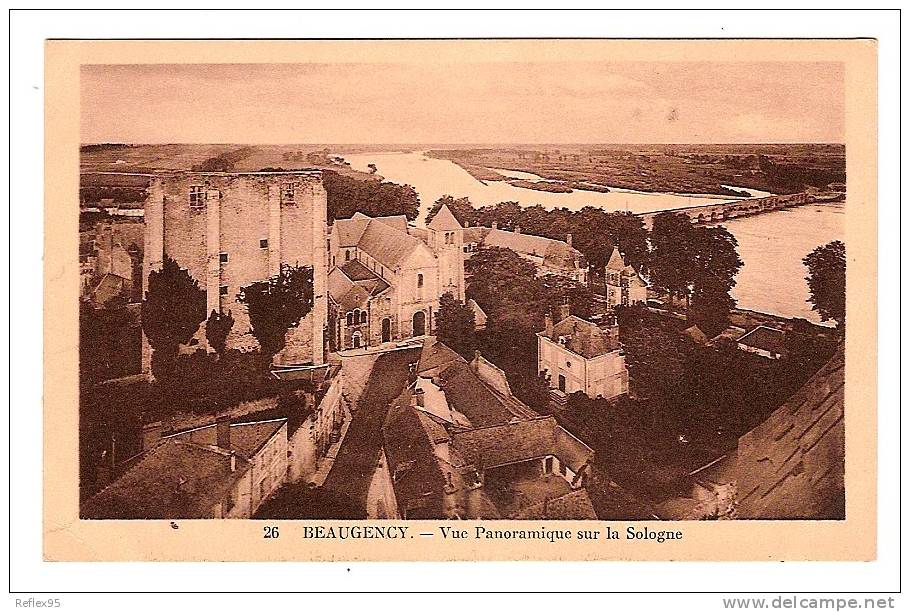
<point>444,220</point>
<point>387,245</point>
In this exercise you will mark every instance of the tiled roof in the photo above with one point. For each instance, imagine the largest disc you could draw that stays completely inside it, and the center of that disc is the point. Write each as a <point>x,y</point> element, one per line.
<point>364,277</point>
<point>434,355</point>
<point>468,395</point>
<point>792,465</point>
<point>616,262</point>
<point>386,244</point>
<point>246,438</point>
<point>176,479</point>
<point>399,222</point>
<point>418,482</point>
<point>583,337</point>
<point>344,292</point>
<point>554,253</point>
<point>520,441</point>
<point>571,506</point>
<point>444,220</point>
<point>764,338</point>
<point>475,234</point>
<point>350,230</point>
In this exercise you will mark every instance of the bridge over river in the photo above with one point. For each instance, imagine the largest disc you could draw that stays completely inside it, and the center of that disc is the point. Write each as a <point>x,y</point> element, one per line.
<point>714,213</point>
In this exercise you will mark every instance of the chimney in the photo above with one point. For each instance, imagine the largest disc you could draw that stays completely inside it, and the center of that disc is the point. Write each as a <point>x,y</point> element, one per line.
<point>569,239</point>
<point>475,363</point>
<point>419,395</point>
<point>517,229</point>
<point>223,429</point>
<point>548,325</point>
<point>495,225</point>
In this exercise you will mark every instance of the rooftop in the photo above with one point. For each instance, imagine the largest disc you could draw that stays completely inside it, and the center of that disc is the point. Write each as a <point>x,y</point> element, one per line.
<point>582,337</point>
<point>764,338</point>
<point>176,479</point>
<point>520,440</point>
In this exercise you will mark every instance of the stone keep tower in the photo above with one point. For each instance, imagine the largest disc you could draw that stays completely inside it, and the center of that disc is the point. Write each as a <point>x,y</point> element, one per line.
<point>446,238</point>
<point>229,230</point>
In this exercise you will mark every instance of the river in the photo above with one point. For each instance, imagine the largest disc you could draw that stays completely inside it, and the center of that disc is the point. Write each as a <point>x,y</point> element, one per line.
<point>771,245</point>
<point>433,178</point>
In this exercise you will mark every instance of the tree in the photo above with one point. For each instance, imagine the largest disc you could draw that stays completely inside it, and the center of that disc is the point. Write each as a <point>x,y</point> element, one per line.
<point>277,305</point>
<point>346,195</point>
<point>715,265</point>
<point>217,328</point>
<point>671,260</point>
<point>173,308</point>
<point>828,281</point>
<point>455,325</point>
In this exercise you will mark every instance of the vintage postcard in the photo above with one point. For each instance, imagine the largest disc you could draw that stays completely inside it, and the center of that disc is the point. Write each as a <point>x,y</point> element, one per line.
<point>460,300</point>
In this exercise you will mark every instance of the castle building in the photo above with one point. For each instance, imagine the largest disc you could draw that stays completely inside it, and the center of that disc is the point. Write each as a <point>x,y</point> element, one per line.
<point>385,279</point>
<point>229,230</point>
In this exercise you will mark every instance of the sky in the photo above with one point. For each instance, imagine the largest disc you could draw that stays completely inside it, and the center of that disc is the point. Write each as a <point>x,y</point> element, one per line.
<point>456,103</point>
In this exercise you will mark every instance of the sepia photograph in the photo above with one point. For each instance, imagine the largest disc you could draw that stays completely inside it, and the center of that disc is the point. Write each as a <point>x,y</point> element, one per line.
<point>486,299</point>
<point>581,290</point>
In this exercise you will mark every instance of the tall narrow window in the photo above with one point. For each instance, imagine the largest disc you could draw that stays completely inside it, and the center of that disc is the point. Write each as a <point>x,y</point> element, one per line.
<point>350,318</point>
<point>363,316</point>
<point>347,256</point>
<point>197,196</point>
<point>419,280</point>
<point>288,193</point>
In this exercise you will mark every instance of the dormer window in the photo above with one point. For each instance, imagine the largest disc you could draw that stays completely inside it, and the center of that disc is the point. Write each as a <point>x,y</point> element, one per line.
<point>197,196</point>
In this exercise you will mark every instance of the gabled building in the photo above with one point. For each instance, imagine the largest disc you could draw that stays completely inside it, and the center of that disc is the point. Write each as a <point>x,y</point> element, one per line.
<point>385,279</point>
<point>222,470</point>
<point>548,255</point>
<point>624,285</point>
<point>578,355</point>
<point>458,445</point>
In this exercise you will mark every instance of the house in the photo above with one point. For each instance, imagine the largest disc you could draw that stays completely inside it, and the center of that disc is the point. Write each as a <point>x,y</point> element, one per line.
<point>762,340</point>
<point>578,355</point>
<point>624,285</point>
<point>385,279</point>
<point>231,229</point>
<point>548,255</point>
<point>458,445</point>
<point>221,470</point>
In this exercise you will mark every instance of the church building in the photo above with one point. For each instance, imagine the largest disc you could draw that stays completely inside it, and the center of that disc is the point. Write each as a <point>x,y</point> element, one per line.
<point>385,278</point>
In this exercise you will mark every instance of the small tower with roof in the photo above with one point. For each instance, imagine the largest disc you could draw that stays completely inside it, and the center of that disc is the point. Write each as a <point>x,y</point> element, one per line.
<point>446,238</point>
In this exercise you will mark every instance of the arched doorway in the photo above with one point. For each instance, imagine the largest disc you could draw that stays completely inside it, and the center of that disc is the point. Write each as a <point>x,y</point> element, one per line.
<point>386,330</point>
<point>420,323</point>
<point>355,339</point>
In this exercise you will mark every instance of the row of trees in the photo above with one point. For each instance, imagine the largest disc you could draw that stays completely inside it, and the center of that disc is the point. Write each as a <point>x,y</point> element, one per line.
<point>595,232</point>
<point>346,196</point>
